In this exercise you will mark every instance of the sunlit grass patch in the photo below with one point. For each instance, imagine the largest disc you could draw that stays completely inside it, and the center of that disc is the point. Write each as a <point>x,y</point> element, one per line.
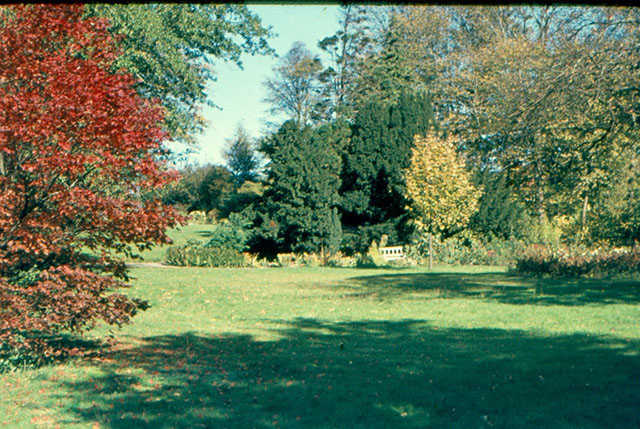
<point>331,347</point>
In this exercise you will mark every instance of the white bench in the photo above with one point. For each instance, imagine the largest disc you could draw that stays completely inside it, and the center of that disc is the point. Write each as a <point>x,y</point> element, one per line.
<point>392,253</point>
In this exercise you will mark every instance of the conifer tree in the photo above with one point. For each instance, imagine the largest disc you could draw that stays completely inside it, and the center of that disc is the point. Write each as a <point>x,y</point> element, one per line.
<point>499,213</point>
<point>241,157</point>
<point>300,207</point>
<point>380,148</point>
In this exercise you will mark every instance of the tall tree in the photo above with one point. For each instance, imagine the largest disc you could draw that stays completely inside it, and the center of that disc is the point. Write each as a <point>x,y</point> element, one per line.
<point>544,93</point>
<point>300,206</point>
<point>372,179</point>
<point>500,214</point>
<point>349,45</point>
<point>241,157</point>
<point>385,74</point>
<point>171,48</point>
<point>295,88</point>
<point>438,187</point>
<point>214,189</point>
<point>614,217</point>
<point>206,188</point>
<point>79,148</point>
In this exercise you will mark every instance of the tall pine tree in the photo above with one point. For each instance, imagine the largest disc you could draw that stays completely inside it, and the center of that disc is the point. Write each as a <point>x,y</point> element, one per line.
<point>299,211</point>
<point>373,187</point>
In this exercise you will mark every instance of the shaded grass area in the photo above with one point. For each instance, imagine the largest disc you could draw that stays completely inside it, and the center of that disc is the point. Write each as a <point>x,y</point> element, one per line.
<point>368,374</point>
<point>319,347</point>
<point>504,288</point>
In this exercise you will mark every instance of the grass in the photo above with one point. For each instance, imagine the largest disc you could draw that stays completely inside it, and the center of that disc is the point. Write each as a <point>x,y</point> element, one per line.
<point>179,236</point>
<point>322,347</point>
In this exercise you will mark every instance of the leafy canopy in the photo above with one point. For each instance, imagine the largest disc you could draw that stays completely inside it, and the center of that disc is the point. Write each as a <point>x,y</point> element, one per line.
<point>78,149</point>
<point>379,150</point>
<point>438,185</point>
<point>170,48</point>
<point>295,87</point>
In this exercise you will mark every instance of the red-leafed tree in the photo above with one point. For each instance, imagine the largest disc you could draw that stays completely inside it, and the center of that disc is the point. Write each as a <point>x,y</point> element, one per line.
<point>79,149</point>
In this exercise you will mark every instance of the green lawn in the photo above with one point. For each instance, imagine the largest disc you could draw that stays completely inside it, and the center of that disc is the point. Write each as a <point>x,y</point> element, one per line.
<point>179,236</point>
<point>322,347</point>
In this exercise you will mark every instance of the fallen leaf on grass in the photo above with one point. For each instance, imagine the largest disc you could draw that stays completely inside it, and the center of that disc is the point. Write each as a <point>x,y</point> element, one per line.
<point>44,420</point>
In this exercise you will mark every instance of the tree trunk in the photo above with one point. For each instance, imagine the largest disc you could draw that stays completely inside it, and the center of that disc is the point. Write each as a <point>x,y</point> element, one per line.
<point>430,250</point>
<point>584,212</point>
<point>542,214</point>
<point>540,198</point>
<point>2,167</point>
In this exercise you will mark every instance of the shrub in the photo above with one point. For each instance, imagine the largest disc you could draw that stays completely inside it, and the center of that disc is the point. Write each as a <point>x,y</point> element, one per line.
<point>474,251</point>
<point>195,254</point>
<point>251,260</point>
<point>339,260</point>
<point>373,257</point>
<point>467,248</point>
<point>336,259</point>
<point>563,261</point>
<point>197,217</point>
<point>310,259</point>
<point>230,236</point>
<point>286,259</point>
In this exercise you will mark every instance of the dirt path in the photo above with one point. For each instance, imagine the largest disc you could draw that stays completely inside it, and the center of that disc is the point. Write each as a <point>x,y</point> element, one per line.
<point>148,265</point>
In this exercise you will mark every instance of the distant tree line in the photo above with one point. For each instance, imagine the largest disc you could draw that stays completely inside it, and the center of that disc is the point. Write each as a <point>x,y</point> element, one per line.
<point>540,102</point>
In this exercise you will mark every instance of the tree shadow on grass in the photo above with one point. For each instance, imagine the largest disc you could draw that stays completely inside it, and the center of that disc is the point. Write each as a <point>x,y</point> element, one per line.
<point>400,374</point>
<point>502,287</point>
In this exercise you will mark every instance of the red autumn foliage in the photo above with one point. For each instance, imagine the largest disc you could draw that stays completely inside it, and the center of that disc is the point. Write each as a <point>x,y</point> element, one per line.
<point>78,149</point>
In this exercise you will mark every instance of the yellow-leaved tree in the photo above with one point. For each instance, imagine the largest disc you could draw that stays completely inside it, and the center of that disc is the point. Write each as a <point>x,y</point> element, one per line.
<point>439,187</point>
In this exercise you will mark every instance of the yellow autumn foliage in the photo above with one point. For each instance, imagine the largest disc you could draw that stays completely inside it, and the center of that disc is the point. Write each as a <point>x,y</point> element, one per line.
<point>438,185</point>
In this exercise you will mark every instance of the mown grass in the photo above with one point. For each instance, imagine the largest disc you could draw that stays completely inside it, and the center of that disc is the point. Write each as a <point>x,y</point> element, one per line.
<point>323,347</point>
<point>179,236</point>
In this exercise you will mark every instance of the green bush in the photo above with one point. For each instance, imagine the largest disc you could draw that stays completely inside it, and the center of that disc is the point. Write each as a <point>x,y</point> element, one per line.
<point>563,261</point>
<point>13,358</point>
<point>229,235</point>
<point>373,257</point>
<point>474,251</point>
<point>196,254</point>
<point>467,248</point>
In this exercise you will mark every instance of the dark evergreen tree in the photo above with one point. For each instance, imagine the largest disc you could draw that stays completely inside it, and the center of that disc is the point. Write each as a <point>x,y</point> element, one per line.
<point>500,214</point>
<point>215,188</point>
<point>299,210</point>
<point>372,182</point>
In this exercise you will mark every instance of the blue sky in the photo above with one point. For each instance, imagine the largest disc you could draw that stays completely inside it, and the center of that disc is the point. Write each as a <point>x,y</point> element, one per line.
<point>240,92</point>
